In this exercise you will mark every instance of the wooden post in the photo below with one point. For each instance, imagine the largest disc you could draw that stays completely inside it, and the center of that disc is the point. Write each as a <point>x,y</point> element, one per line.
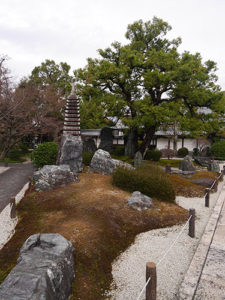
<point>215,185</point>
<point>152,285</point>
<point>207,191</point>
<point>224,170</point>
<point>192,223</point>
<point>13,208</point>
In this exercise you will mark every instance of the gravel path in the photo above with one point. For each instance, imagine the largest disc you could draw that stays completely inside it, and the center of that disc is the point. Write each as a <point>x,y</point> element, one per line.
<point>12,181</point>
<point>129,269</point>
<point>7,225</point>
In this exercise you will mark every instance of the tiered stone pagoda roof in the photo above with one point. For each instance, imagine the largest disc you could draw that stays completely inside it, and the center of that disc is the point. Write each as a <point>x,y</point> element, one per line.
<point>72,115</point>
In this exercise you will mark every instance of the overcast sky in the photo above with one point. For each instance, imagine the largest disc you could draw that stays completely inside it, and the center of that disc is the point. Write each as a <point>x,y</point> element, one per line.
<point>72,30</point>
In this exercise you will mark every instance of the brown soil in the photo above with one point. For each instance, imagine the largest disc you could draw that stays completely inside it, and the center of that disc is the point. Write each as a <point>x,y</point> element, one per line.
<point>95,217</point>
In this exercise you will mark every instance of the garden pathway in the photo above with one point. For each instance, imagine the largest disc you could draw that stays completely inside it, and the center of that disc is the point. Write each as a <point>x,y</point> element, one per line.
<point>12,180</point>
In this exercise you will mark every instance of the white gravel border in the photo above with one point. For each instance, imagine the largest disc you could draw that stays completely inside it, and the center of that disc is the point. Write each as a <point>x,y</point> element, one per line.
<point>7,225</point>
<point>3,169</point>
<point>129,268</point>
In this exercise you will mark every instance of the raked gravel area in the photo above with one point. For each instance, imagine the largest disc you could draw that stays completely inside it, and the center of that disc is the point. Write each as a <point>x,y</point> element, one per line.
<point>7,225</point>
<point>3,169</point>
<point>129,268</point>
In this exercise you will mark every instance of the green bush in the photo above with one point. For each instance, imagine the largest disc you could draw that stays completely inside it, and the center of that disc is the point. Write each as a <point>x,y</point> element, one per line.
<point>196,152</point>
<point>149,180</point>
<point>154,155</point>
<point>218,149</point>
<point>182,152</point>
<point>87,157</point>
<point>45,154</point>
<point>118,150</point>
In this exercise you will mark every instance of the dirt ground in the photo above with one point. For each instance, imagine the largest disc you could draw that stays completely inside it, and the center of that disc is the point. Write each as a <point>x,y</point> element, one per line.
<point>95,217</point>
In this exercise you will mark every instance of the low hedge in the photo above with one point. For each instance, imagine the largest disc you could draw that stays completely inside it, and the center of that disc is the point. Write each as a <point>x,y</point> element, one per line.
<point>218,150</point>
<point>154,155</point>
<point>182,152</point>
<point>118,150</point>
<point>45,154</point>
<point>87,157</point>
<point>149,180</point>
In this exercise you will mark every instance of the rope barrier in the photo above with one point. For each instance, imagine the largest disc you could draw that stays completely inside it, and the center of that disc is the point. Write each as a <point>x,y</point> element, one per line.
<point>165,254</point>
<point>159,262</point>
<point>147,282</point>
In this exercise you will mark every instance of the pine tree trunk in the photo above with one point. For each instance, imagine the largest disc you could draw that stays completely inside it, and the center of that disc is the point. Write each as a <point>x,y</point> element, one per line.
<point>149,134</point>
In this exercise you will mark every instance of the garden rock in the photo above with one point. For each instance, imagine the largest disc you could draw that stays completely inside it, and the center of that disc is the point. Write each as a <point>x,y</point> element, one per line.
<point>51,176</point>
<point>103,163</point>
<point>214,167</point>
<point>44,270</point>
<point>137,159</point>
<point>70,153</point>
<point>106,137</point>
<point>207,182</point>
<point>203,161</point>
<point>140,201</point>
<point>187,165</point>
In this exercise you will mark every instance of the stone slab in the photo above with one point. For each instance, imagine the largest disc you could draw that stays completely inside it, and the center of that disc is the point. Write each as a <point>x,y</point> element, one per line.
<point>192,278</point>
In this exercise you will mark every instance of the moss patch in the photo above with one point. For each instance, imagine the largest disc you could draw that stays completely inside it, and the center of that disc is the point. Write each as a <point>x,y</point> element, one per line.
<point>95,217</point>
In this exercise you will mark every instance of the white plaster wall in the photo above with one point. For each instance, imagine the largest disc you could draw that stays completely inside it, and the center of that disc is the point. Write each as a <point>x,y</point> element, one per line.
<point>190,144</point>
<point>162,143</point>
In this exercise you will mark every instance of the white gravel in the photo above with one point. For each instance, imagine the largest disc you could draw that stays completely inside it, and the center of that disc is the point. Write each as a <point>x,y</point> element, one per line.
<point>129,269</point>
<point>7,225</point>
<point>3,169</point>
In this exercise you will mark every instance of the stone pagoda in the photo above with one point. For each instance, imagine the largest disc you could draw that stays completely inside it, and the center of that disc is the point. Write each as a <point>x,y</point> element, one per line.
<point>72,115</point>
<point>70,150</point>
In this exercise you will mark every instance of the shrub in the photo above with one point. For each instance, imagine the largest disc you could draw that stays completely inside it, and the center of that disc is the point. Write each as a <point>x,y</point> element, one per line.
<point>119,150</point>
<point>168,153</point>
<point>218,149</point>
<point>149,180</point>
<point>87,157</point>
<point>154,155</point>
<point>45,154</point>
<point>182,152</point>
<point>196,152</point>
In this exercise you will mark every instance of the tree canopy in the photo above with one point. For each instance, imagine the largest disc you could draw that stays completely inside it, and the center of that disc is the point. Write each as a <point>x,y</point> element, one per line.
<point>147,82</point>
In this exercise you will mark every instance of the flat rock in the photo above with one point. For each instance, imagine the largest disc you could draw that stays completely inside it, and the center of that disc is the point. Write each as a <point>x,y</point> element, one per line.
<point>140,201</point>
<point>207,182</point>
<point>44,270</point>
<point>103,163</point>
<point>51,176</point>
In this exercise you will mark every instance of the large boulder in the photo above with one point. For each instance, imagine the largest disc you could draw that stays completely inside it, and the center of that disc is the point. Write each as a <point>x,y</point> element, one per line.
<point>106,137</point>
<point>44,270</point>
<point>103,163</point>
<point>140,201</point>
<point>70,153</point>
<point>214,167</point>
<point>51,176</point>
<point>186,164</point>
